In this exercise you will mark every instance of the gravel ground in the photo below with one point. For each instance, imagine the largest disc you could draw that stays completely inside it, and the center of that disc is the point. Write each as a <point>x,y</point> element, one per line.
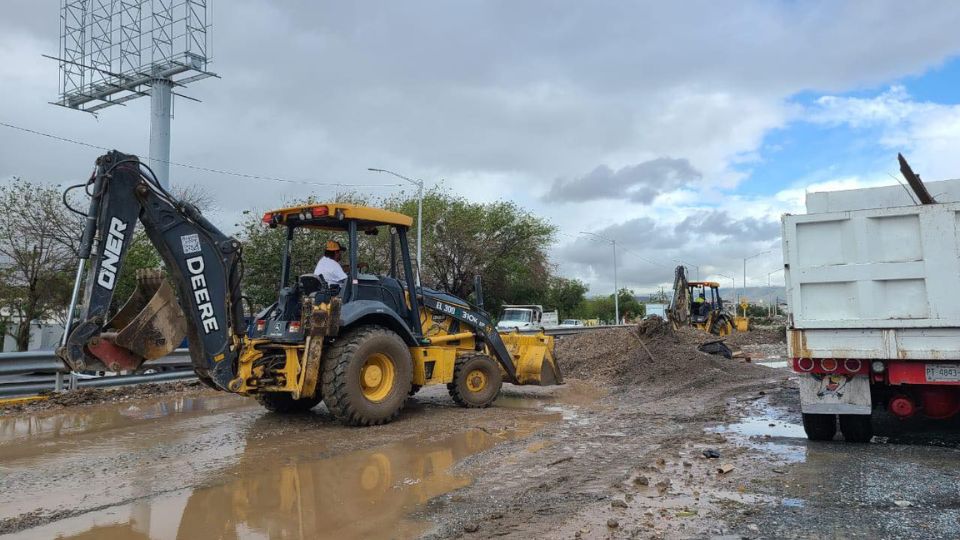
<point>617,452</point>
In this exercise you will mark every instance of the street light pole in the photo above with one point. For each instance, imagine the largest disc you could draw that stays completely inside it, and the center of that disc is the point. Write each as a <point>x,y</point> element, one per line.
<point>419,184</point>
<point>616,289</point>
<point>745,259</point>
<point>773,304</point>
<point>733,281</point>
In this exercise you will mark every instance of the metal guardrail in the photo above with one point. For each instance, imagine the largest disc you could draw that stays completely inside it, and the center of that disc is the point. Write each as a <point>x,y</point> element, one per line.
<point>31,372</point>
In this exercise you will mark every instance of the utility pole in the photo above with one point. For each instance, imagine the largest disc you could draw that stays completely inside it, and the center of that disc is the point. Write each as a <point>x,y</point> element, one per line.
<point>695,267</point>
<point>745,259</point>
<point>419,184</point>
<point>732,281</point>
<point>774,306</point>
<point>616,289</point>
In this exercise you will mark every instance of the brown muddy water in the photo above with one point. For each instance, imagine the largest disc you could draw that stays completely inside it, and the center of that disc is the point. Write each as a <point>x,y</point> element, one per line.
<point>219,466</point>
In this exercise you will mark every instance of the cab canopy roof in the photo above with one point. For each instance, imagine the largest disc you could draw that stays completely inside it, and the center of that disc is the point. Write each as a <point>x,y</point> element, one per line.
<point>711,284</point>
<point>335,216</point>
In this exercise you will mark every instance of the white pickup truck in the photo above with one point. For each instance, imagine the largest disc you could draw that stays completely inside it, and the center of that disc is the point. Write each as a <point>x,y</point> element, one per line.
<point>873,287</point>
<point>527,317</point>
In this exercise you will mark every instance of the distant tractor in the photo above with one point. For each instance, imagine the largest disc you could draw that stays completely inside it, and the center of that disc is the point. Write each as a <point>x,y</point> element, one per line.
<point>698,304</point>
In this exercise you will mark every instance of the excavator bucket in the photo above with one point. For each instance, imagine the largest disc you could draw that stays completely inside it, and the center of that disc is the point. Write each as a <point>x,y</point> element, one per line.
<point>149,325</point>
<point>533,357</point>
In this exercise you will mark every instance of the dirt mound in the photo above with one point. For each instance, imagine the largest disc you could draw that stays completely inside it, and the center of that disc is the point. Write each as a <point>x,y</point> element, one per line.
<point>756,336</point>
<point>93,396</point>
<point>670,359</point>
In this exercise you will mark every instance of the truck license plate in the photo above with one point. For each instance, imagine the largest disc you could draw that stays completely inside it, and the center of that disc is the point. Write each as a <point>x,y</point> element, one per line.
<point>943,372</point>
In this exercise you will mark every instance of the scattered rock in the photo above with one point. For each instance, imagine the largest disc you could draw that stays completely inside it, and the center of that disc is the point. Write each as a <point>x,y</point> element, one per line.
<point>612,523</point>
<point>753,527</point>
<point>471,527</point>
<point>641,481</point>
<point>710,453</point>
<point>903,504</point>
<point>617,503</point>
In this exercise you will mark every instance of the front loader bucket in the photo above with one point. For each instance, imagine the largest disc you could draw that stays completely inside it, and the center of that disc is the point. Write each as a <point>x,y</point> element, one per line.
<point>149,325</point>
<point>534,359</point>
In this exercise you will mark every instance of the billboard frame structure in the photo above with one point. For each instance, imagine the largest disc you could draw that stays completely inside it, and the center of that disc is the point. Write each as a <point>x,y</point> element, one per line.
<point>115,51</point>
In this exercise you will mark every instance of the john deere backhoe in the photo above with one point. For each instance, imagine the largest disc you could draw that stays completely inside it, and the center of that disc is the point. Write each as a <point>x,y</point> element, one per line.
<point>361,347</point>
<point>698,304</point>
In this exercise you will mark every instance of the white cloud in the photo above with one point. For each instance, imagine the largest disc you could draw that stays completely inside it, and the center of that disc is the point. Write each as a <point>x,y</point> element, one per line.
<point>501,98</point>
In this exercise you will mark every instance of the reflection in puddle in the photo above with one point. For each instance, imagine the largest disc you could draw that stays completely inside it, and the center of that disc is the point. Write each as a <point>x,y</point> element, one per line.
<point>364,494</point>
<point>766,430</point>
<point>764,426</point>
<point>17,429</point>
<point>773,363</point>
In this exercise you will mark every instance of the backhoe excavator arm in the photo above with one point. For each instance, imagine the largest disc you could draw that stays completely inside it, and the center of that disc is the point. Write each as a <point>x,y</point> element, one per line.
<point>204,264</point>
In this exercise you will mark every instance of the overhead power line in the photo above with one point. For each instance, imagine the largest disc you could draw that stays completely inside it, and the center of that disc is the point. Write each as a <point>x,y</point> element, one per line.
<point>247,176</point>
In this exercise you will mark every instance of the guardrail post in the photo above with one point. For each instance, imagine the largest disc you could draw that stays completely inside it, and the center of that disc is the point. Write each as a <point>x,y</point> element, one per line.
<point>73,381</point>
<point>58,382</point>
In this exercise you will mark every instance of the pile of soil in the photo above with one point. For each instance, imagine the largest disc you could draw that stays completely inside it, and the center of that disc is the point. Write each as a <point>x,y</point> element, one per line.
<point>93,396</point>
<point>670,360</point>
<point>756,336</point>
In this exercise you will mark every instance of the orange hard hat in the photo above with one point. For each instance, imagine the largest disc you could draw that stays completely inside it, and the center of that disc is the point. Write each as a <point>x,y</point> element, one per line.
<point>333,245</point>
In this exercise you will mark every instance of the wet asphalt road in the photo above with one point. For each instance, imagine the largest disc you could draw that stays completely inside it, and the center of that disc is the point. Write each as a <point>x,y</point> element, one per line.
<point>904,484</point>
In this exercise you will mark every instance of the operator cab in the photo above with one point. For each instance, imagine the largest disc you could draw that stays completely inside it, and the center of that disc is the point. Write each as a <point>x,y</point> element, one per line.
<point>282,321</point>
<point>710,290</point>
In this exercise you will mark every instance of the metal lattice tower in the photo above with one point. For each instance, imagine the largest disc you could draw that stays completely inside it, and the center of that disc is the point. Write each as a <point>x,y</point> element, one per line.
<point>114,51</point>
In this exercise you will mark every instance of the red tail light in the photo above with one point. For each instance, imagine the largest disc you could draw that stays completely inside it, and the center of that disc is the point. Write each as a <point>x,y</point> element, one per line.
<point>294,327</point>
<point>261,325</point>
<point>319,211</point>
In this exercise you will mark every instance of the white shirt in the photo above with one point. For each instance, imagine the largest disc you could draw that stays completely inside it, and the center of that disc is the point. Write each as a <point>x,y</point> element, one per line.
<point>330,270</point>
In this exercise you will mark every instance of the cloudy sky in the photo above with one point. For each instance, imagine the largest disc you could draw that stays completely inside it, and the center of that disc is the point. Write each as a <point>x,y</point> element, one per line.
<point>681,130</point>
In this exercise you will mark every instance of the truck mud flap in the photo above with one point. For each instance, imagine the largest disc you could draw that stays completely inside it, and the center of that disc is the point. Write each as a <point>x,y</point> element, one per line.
<point>835,394</point>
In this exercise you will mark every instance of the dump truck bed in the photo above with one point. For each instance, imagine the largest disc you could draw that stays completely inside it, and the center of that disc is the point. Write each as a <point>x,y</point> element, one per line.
<point>880,283</point>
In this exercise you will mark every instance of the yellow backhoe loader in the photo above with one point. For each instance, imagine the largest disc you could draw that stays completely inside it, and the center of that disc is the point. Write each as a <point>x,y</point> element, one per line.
<point>360,346</point>
<point>698,304</point>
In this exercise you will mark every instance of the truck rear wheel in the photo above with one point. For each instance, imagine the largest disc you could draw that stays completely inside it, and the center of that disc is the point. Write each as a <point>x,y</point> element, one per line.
<point>476,381</point>
<point>367,375</point>
<point>283,402</point>
<point>857,428</point>
<point>820,427</point>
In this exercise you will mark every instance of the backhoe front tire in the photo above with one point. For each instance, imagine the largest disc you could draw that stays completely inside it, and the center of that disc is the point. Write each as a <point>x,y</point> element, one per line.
<point>476,381</point>
<point>283,402</point>
<point>367,374</point>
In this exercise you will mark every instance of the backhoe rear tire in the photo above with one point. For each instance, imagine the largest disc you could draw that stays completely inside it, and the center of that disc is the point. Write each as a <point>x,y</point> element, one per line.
<point>283,402</point>
<point>476,381</point>
<point>367,374</point>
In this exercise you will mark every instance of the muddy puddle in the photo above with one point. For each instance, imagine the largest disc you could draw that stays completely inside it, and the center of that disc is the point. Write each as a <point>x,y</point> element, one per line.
<point>276,478</point>
<point>45,425</point>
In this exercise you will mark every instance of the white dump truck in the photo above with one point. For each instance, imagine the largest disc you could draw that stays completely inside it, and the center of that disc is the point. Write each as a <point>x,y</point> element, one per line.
<point>873,286</point>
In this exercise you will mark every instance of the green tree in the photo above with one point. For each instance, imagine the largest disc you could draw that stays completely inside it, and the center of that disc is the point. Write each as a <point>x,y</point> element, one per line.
<point>501,242</point>
<point>566,296</point>
<point>38,241</point>
<point>603,308</point>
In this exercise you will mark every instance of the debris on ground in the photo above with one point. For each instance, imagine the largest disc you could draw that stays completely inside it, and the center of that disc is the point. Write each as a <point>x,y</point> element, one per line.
<point>711,453</point>
<point>94,396</point>
<point>665,356</point>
